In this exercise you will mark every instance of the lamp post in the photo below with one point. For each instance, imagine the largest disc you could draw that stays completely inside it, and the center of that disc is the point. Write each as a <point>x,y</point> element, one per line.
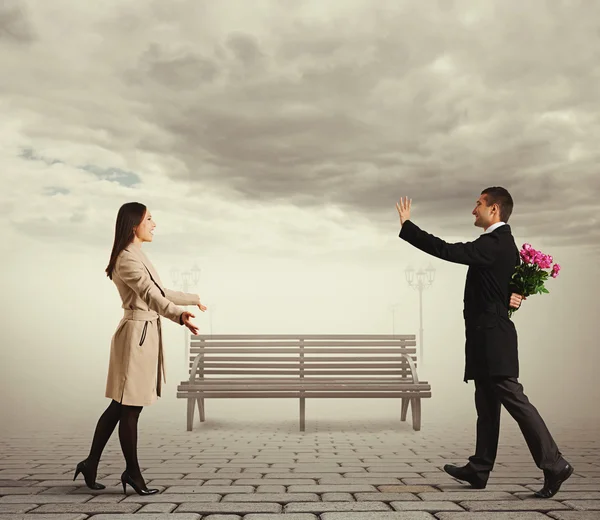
<point>420,280</point>
<point>186,280</point>
<point>211,311</point>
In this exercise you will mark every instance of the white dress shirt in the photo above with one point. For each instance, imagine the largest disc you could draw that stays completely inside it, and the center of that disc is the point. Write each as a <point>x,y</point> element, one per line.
<point>494,226</point>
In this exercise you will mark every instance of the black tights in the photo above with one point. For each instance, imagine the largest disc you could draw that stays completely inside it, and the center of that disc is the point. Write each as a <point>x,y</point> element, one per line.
<point>127,417</point>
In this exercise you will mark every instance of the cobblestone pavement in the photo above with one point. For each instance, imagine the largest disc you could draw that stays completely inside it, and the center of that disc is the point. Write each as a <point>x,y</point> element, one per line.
<point>234,468</point>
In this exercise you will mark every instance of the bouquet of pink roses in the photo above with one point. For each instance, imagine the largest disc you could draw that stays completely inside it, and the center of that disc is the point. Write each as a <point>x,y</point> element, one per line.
<point>529,276</point>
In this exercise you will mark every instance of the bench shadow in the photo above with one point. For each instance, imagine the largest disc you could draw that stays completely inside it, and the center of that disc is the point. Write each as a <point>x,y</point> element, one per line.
<point>382,425</point>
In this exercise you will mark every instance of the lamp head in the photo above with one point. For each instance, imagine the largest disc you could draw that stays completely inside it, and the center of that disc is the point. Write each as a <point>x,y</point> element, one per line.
<point>410,275</point>
<point>196,273</point>
<point>430,274</point>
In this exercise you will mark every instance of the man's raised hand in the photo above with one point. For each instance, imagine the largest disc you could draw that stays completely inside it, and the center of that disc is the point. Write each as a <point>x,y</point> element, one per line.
<point>403,207</point>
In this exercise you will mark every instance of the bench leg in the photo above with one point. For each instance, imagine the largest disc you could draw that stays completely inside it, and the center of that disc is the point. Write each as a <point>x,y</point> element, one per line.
<point>302,413</point>
<point>190,413</point>
<point>415,405</point>
<point>201,408</point>
<point>405,403</point>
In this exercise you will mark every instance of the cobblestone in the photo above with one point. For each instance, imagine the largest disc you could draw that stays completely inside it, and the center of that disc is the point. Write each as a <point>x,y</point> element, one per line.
<point>244,470</point>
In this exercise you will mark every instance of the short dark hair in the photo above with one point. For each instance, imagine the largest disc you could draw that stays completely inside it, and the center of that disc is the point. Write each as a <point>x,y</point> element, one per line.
<point>500,196</point>
<point>130,215</point>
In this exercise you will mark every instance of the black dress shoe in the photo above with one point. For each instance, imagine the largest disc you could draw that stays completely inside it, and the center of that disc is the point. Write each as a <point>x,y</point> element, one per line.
<point>553,481</point>
<point>463,473</point>
<point>144,491</point>
<point>88,475</point>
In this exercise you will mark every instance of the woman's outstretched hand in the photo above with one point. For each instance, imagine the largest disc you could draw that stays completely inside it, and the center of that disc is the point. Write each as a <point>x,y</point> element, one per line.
<point>202,307</point>
<point>187,322</point>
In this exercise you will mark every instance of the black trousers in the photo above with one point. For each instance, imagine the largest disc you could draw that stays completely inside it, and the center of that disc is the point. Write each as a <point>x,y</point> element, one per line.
<point>494,392</point>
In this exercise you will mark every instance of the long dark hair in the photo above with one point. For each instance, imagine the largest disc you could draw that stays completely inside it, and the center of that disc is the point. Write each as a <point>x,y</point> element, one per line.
<point>129,216</point>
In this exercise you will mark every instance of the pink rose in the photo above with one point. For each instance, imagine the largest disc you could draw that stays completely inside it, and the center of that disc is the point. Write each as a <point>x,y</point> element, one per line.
<point>538,259</point>
<point>547,262</point>
<point>525,257</point>
<point>529,255</point>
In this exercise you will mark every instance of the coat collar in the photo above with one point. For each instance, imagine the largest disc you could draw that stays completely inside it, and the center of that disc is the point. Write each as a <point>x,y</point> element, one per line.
<point>502,229</point>
<point>136,250</point>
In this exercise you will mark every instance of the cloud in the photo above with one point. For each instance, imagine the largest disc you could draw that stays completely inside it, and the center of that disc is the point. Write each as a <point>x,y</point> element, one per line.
<point>345,104</point>
<point>54,190</point>
<point>177,69</point>
<point>15,26</point>
<point>31,155</point>
<point>113,174</point>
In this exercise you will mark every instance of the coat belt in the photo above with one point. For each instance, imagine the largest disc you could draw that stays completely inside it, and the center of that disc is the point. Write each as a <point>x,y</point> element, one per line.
<point>139,315</point>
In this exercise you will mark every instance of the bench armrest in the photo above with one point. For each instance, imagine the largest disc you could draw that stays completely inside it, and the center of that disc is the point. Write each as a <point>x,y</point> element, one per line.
<point>194,368</point>
<point>413,369</point>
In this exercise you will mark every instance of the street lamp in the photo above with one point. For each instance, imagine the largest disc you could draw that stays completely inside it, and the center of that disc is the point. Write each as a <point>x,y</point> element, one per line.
<point>424,279</point>
<point>186,280</point>
<point>211,312</point>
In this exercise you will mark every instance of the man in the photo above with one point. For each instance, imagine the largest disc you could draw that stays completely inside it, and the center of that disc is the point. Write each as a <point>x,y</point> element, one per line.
<point>491,357</point>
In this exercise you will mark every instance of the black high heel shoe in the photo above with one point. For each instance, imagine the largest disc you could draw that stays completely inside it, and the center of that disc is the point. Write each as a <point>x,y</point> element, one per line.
<point>126,479</point>
<point>83,468</point>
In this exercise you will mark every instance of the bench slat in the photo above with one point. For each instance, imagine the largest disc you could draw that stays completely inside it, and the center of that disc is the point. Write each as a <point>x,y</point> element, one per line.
<point>307,359</point>
<point>296,379</point>
<point>310,395</point>
<point>210,364</point>
<point>330,344</point>
<point>291,388</point>
<point>406,385</point>
<point>306,380</point>
<point>305,337</point>
<point>306,372</point>
<point>307,350</point>
<point>301,382</point>
<point>212,384</point>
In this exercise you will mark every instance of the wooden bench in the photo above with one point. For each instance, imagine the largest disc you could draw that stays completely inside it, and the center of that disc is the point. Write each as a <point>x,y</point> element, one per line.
<point>303,367</point>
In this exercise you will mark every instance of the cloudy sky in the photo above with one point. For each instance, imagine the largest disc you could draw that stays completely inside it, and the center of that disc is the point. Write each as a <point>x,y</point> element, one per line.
<point>270,140</point>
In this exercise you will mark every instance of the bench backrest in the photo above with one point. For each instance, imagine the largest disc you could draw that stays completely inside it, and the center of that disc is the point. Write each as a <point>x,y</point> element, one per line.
<point>283,356</point>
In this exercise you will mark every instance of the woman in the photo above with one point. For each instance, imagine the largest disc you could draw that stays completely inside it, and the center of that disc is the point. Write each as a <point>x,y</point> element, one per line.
<point>136,366</point>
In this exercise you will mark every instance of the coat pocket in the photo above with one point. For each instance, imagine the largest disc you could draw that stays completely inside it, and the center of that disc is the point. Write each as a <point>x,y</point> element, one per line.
<point>481,320</point>
<point>144,330</point>
<point>487,320</point>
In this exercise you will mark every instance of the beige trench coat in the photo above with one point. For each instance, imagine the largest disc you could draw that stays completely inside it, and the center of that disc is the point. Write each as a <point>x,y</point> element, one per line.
<point>137,368</point>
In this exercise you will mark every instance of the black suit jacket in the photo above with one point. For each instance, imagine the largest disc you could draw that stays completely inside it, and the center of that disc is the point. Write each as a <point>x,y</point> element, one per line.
<point>491,339</point>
